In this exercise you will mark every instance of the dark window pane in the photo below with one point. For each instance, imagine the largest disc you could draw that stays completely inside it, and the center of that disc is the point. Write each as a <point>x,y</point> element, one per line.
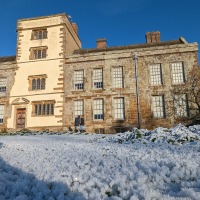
<point>43,109</point>
<point>40,34</point>
<point>44,34</point>
<point>35,54</point>
<point>35,109</point>
<point>98,116</point>
<point>44,53</point>
<point>43,83</point>
<point>79,86</point>
<point>39,109</point>
<point>39,53</point>
<point>34,84</point>
<point>2,89</point>
<point>47,109</point>
<point>51,109</point>
<point>38,83</point>
<point>35,35</point>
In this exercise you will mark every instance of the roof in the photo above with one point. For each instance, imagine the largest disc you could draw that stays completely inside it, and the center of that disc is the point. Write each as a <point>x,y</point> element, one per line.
<point>181,40</point>
<point>42,17</point>
<point>7,59</point>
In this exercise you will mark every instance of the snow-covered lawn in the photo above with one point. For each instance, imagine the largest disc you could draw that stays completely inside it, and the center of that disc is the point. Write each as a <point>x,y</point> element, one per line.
<point>97,167</point>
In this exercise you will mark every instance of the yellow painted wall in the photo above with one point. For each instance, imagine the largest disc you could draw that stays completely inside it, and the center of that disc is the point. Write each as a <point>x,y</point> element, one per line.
<point>51,66</point>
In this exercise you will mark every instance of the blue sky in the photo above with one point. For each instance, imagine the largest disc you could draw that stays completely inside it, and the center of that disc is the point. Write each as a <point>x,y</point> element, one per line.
<point>121,22</point>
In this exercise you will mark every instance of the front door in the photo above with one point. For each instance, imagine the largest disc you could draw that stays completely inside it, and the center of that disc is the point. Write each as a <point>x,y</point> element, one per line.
<point>21,116</point>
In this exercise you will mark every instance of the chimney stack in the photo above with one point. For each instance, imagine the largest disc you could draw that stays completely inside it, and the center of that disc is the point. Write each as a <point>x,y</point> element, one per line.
<point>75,27</point>
<point>101,43</point>
<point>152,37</point>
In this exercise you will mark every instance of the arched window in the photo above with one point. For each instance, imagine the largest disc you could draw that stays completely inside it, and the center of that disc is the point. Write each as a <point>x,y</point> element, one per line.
<point>34,84</point>
<point>38,53</point>
<point>47,109</point>
<point>42,83</point>
<point>44,53</point>
<point>36,109</point>
<point>40,35</point>
<point>39,109</point>
<point>35,54</point>
<point>38,83</point>
<point>44,34</point>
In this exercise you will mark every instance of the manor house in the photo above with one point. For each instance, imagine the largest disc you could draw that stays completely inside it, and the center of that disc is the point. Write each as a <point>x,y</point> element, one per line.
<point>52,79</point>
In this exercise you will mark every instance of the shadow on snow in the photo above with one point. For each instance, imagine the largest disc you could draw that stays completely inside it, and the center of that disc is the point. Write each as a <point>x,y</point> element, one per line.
<point>18,185</point>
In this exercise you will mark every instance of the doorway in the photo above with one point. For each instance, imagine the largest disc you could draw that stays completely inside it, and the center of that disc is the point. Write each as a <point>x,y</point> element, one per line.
<point>21,118</point>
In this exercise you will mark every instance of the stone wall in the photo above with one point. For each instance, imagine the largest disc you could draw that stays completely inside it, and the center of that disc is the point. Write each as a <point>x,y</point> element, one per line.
<point>7,69</point>
<point>107,59</point>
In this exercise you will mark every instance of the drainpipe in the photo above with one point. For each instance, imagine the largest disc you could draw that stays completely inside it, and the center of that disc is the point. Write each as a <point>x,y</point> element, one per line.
<point>135,58</point>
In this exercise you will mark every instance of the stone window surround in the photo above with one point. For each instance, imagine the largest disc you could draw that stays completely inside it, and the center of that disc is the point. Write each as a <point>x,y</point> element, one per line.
<point>30,79</point>
<point>42,103</point>
<point>39,48</point>
<point>43,31</point>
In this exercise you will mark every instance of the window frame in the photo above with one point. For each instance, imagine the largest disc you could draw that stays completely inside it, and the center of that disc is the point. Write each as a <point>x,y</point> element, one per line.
<point>184,100</point>
<point>39,108</point>
<point>179,76</point>
<point>98,109</point>
<point>117,81</point>
<point>155,79</point>
<point>98,79</point>
<point>37,83</point>
<point>79,80</point>
<point>78,111</point>
<point>3,86</point>
<point>35,35</point>
<point>121,109</point>
<point>37,53</point>
<point>157,108</point>
<point>2,113</point>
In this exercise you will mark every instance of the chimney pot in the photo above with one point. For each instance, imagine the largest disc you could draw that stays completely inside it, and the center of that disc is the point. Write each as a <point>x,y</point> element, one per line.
<point>101,43</point>
<point>75,27</point>
<point>152,37</point>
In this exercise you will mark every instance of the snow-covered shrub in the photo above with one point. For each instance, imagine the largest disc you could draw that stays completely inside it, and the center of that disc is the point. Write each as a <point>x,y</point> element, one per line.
<point>177,135</point>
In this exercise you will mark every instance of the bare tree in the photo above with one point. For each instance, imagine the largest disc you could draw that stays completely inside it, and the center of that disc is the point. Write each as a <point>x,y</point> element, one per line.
<point>184,100</point>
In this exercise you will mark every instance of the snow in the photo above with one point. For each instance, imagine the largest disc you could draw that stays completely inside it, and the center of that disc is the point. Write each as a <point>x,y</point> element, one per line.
<point>177,135</point>
<point>109,167</point>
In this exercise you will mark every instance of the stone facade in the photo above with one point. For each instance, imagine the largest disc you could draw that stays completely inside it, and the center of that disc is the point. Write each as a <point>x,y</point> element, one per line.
<point>158,53</point>
<point>70,84</point>
<point>7,70</point>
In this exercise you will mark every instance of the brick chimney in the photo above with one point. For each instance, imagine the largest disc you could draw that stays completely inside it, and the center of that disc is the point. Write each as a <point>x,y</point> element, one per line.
<point>101,43</point>
<point>152,37</point>
<point>75,27</point>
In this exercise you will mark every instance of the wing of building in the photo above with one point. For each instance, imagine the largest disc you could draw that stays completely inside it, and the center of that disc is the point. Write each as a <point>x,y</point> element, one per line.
<point>51,80</point>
